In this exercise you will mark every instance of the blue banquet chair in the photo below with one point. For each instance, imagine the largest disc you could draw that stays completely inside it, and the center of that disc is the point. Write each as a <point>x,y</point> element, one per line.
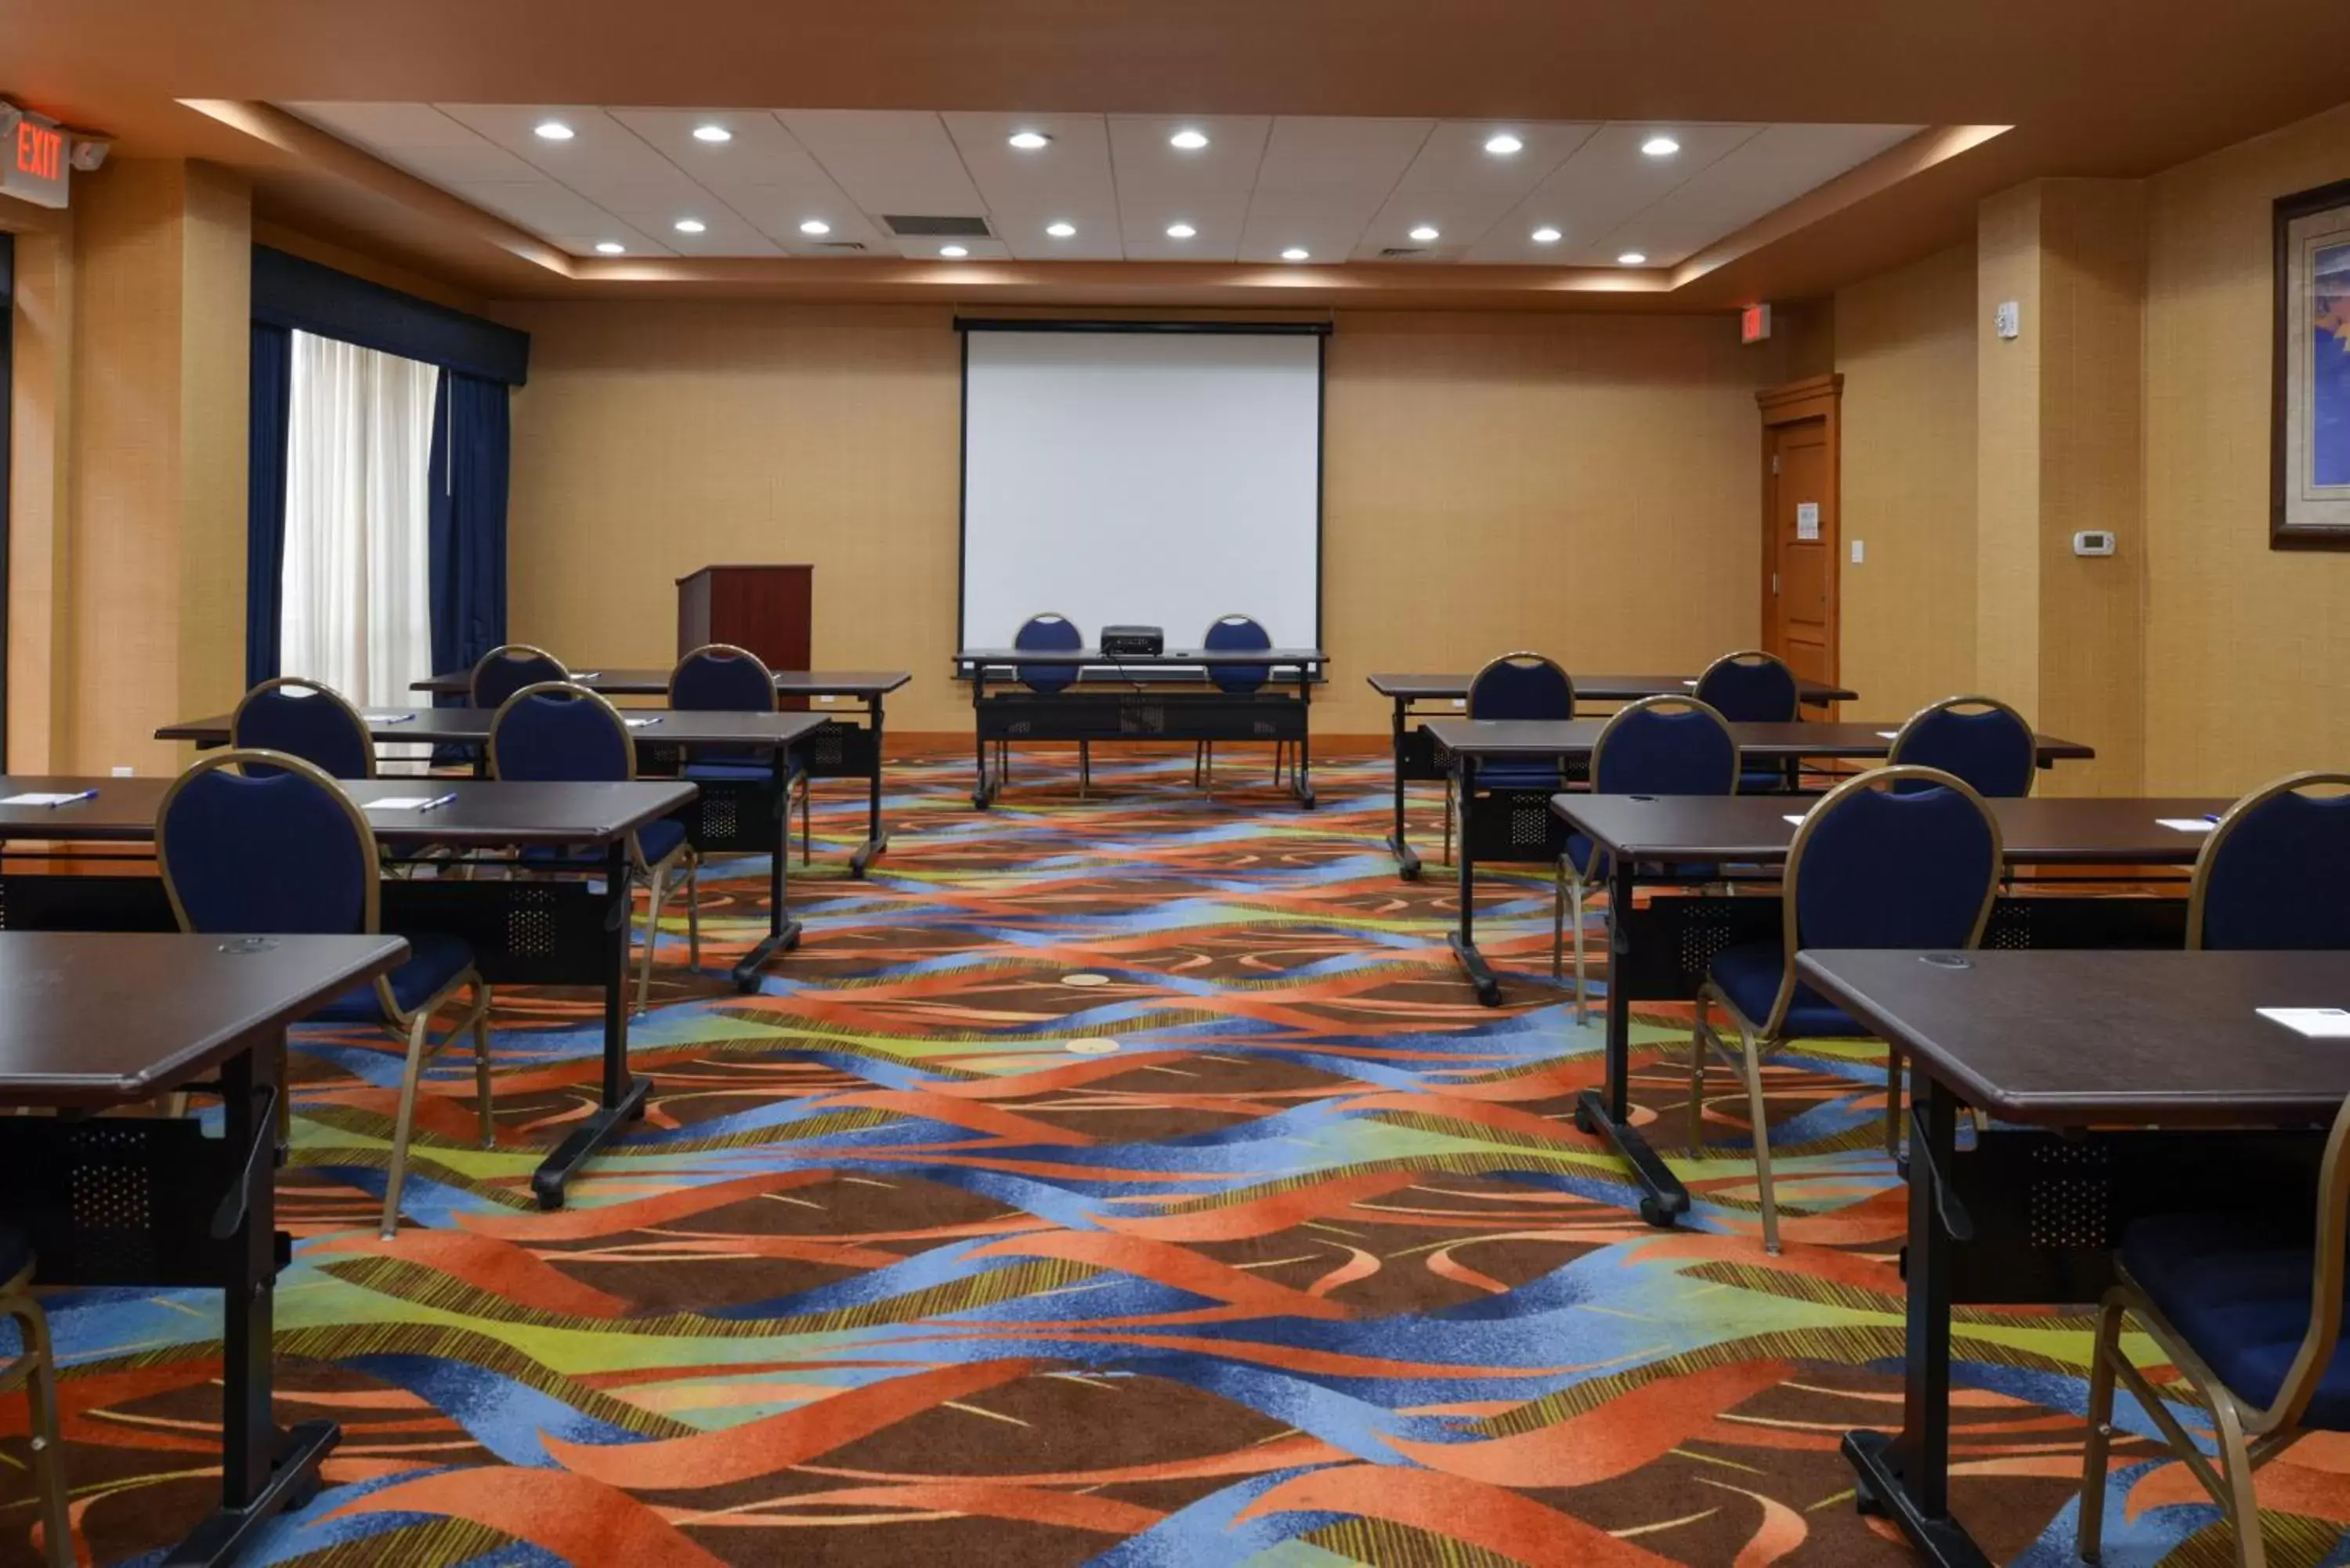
<point>1519,685</point>
<point>1979,739</point>
<point>1751,687</point>
<point>719,678</point>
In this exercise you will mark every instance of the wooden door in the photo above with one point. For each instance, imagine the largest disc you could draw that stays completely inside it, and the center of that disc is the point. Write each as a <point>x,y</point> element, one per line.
<point>1800,527</point>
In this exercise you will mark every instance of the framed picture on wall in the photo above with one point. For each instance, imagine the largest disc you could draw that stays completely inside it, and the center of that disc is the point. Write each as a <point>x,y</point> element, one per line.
<point>2309,418</point>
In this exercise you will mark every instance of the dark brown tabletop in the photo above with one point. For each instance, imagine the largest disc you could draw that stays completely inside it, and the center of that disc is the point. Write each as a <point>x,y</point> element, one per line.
<point>1590,688</point>
<point>2071,1038</point>
<point>484,814</point>
<point>1755,827</point>
<point>615,682</point>
<point>1267,657</point>
<point>1517,738</point>
<point>455,725</point>
<point>94,1019</point>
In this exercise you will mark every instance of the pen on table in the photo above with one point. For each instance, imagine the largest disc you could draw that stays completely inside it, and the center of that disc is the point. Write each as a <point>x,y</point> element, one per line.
<point>74,799</point>
<point>438,801</point>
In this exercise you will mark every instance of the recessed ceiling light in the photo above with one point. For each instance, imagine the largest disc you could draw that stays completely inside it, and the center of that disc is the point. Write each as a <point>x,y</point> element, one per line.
<point>1295,252</point>
<point>712,133</point>
<point>609,248</point>
<point>1060,231</point>
<point>552,130</point>
<point>1425,232</point>
<point>1632,258</point>
<point>1188,140</point>
<point>691,225</point>
<point>1504,144</point>
<point>1029,141</point>
<point>1661,146</point>
<point>1546,235</point>
<point>1180,231</point>
<point>816,227</point>
<point>954,253</point>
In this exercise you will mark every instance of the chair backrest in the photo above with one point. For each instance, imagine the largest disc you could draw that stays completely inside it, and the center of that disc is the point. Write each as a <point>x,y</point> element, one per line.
<point>2319,1341</point>
<point>1750,686</point>
<point>1980,739</point>
<point>1521,685</point>
<point>1240,633</point>
<point>2275,872</point>
<point>1048,633</point>
<point>1665,745</point>
<point>718,677</point>
<point>264,842</point>
<point>1878,863</point>
<point>307,719</point>
<point>554,733</point>
<point>503,671</point>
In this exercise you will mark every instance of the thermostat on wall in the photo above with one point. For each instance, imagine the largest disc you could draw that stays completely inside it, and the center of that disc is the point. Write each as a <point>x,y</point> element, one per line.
<point>2093,542</point>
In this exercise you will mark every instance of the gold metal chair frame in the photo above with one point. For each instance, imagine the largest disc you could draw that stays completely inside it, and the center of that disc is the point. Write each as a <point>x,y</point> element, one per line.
<point>680,867</point>
<point>35,1370</point>
<point>508,650</point>
<point>2199,887</point>
<point>1759,1039</point>
<point>1575,884</point>
<point>806,784</point>
<point>318,689</point>
<point>415,1027</point>
<point>1523,656</point>
<point>2247,1434</point>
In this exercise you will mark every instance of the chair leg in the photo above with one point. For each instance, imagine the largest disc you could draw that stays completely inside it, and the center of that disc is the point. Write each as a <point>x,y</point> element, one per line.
<point>2243,1505</point>
<point>1750,1062</point>
<point>1575,896</point>
<point>48,1451</point>
<point>808,822</point>
<point>1085,767</point>
<point>1701,1045</point>
<point>1447,824</point>
<point>1559,921</point>
<point>482,1065</point>
<point>693,910</point>
<point>1896,1069</point>
<point>2088,1535</point>
<point>404,1126</point>
<point>652,932</point>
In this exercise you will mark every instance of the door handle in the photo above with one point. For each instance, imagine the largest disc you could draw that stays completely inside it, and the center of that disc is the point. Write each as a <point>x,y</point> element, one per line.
<point>1774,582</point>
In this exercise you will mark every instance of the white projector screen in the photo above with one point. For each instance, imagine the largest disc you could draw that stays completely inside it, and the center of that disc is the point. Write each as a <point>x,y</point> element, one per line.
<point>1141,477</point>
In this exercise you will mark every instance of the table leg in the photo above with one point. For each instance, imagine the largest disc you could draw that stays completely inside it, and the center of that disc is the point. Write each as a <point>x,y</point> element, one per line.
<point>782,931</point>
<point>1606,1113</point>
<point>624,1094</point>
<point>1407,857</point>
<point>984,786</point>
<point>876,837</point>
<point>1301,780</point>
<point>265,1468</point>
<point>1464,940</point>
<point>1908,1475</point>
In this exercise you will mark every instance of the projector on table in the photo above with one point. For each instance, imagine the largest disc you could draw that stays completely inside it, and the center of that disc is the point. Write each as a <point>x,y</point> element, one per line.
<point>1133,641</point>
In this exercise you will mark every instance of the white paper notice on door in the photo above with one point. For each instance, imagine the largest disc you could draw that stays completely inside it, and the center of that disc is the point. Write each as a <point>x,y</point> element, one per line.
<point>1807,519</point>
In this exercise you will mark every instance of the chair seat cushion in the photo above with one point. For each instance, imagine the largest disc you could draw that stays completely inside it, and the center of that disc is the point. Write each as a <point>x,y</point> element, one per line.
<point>2237,1287</point>
<point>1764,781</point>
<point>1518,775</point>
<point>745,772</point>
<point>433,961</point>
<point>16,1250</point>
<point>1749,977</point>
<point>660,839</point>
<point>1579,848</point>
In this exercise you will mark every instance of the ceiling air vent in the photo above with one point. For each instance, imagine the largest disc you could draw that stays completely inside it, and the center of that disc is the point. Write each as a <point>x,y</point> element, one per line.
<point>855,247</point>
<point>1404,252</point>
<point>920,228</point>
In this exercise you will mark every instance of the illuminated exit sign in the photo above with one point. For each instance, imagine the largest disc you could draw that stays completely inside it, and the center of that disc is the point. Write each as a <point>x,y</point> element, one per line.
<point>1754,324</point>
<point>33,165</point>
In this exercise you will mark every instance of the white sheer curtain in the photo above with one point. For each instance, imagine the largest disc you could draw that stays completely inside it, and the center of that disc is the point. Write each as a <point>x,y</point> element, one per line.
<point>358,609</point>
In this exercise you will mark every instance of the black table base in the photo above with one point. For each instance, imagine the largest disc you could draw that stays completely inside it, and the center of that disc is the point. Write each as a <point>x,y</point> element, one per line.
<point>1880,1487</point>
<point>1096,712</point>
<point>556,1171</point>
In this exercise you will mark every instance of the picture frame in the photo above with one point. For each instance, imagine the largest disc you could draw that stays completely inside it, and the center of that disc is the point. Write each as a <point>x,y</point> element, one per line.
<point>2309,413</point>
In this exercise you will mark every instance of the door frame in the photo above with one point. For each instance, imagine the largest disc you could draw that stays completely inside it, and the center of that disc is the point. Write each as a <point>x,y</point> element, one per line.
<point>1820,398</point>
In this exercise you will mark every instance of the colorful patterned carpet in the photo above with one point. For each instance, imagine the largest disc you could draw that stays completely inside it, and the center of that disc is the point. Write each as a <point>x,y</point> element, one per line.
<point>1130,1181</point>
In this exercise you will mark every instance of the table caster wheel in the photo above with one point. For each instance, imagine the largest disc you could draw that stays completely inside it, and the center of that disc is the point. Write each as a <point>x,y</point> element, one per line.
<point>1654,1213</point>
<point>1585,1122</point>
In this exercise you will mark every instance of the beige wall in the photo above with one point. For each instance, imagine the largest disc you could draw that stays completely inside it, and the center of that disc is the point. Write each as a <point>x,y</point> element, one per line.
<point>1906,343</point>
<point>1582,484</point>
<point>2246,647</point>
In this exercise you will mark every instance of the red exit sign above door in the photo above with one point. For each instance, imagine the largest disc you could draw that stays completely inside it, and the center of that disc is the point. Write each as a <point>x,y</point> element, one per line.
<point>33,163</point>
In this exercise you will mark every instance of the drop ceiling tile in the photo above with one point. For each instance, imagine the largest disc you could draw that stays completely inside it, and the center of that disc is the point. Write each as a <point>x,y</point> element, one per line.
<point>928,250</point>
<point>603,156</point>
<point>759,153</point>
<point>777,212</point>
<point>888,160</point>
<point>1150,171</point>
<point>1070,174</point>
<point>536,203</point>
<point>724,234</point>
<point>1098,237</point>
<point>1265,236</point>
<point>1454,159</point>
<point>584,245</point>
<point>1332,157</point>
<point>1757,178</point>
<point>1217,219</point>
<point>1610,179</point>
<point>379,125</point>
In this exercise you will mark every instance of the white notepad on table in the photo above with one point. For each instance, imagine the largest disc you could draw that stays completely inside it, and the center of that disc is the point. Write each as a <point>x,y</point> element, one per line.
<point>640,724</point>
<point>1889,734</point>
<point>48,797</point>
<point>1794,818</point>
<point>2310,1022</point>
<point>2187,824</point>
<point>391,718</point>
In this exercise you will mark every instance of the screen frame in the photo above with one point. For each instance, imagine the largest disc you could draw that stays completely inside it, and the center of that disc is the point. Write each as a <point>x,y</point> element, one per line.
<point>965,325</point>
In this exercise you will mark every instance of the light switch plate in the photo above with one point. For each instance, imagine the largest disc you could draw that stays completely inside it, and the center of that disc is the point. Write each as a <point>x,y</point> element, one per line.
<point>2008,318</point>
<point>1857,554</point>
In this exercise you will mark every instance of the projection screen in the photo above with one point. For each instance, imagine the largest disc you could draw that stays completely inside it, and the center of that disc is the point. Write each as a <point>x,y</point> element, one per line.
<point>1141,477</point>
